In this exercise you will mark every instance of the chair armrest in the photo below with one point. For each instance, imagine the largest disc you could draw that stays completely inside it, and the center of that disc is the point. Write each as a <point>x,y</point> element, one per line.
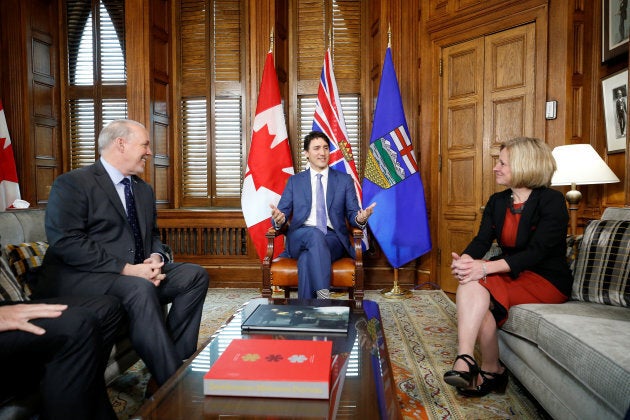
<point>357,240</point>
<point>271,235</point>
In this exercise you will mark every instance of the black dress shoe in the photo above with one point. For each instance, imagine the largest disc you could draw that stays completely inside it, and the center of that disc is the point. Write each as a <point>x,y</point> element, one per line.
<point>492,382</point>
<point>460,378</point>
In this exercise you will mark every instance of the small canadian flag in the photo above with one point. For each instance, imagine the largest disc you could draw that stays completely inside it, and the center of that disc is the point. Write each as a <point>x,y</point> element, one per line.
<point>9,187</point>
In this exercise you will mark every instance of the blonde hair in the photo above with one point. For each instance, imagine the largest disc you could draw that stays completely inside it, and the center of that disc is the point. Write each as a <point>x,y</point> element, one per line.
<point>531,162</point>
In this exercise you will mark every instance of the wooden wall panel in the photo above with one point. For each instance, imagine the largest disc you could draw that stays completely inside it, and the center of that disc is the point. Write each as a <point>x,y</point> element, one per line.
<point>161,101</point>
<point>44,135</point>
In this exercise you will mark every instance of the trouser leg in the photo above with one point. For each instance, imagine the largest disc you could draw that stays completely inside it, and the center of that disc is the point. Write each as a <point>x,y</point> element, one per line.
<point>70,355</point>
<point>186,287</point>
<point>147,328</point>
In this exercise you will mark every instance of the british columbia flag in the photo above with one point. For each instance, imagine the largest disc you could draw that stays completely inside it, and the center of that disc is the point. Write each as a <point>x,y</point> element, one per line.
<point>329,119</point>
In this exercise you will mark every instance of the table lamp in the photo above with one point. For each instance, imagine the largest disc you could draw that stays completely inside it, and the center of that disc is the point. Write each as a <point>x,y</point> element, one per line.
<point>579,164</point>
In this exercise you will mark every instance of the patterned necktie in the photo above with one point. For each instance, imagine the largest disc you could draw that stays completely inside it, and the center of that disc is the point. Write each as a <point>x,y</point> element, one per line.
<point>132,217</point>
<point>320,205</point>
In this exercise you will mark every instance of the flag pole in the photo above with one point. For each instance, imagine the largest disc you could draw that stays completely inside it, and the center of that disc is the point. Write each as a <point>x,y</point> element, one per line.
<point>396,292</point>
<point>275,290</point>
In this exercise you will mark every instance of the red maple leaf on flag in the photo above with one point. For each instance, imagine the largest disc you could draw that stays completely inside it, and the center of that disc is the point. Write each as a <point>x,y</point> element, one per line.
<point>267,163</point>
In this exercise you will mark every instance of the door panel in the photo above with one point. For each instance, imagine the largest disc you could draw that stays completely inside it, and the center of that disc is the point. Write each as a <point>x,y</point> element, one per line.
<point>487,96</point>
<point>508,94</point>
<point>462,135</point>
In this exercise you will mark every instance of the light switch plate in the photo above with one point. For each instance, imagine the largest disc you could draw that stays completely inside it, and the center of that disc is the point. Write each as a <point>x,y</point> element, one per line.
<point>550,110</point>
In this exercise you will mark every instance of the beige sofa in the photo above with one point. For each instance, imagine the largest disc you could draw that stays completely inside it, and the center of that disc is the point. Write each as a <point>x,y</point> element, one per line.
<point>25,226</point>
<point>574,358</point>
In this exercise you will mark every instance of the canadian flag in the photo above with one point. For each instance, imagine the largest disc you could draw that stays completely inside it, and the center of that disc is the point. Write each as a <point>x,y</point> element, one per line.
<point>9,188</point>
<point>269,164</point>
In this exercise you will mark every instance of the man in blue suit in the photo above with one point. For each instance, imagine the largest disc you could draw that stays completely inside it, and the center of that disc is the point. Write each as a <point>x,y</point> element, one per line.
<point>317,238</point>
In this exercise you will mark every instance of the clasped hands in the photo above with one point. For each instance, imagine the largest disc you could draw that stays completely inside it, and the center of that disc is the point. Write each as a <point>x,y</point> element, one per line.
<point>150,269</point>
<point>466,269</point>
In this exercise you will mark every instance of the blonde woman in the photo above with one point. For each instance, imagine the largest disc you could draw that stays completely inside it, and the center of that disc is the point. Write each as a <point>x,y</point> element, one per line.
<point>529,222</point>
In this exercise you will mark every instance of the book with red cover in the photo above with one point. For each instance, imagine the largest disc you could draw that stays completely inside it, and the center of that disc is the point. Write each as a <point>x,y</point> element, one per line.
<point>272,368</point>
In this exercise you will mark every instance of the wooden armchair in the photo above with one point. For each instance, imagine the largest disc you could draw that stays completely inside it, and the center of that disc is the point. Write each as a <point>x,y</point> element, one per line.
<point>347,273</point>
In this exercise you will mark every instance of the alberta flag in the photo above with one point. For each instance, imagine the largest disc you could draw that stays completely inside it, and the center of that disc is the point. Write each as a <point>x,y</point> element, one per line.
<point>269,164</point>
<point>329,120</point>
<point>9,187</point>
<point>399,222</point>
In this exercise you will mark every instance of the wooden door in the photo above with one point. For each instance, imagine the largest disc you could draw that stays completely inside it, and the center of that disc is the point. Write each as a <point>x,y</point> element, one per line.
<point>487,96</point>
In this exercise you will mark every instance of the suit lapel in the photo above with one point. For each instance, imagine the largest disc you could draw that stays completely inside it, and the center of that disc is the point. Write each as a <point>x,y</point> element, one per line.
<point>105,182</point>
<point>330,188</point>
<point>307,190</point>
<point>527,223</point>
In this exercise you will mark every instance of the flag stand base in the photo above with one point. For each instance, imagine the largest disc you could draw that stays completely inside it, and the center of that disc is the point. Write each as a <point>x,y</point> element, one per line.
<point>396,292</point>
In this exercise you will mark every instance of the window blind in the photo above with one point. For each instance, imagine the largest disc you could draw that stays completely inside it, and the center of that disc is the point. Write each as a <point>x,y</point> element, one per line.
<point>97,73</point>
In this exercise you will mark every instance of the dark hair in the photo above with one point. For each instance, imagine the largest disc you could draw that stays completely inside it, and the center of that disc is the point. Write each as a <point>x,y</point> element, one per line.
<point>315,135</point>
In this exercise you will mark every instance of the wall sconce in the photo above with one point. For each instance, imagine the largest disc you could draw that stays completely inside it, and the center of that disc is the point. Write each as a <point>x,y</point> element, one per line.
<point>579,164</point>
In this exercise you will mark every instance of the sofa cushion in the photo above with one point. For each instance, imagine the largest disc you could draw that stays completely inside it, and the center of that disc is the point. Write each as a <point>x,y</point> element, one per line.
<point>593,350</point>
<point>602,266</point>
<point>583,338</point>
<point>10,289</point>
<point>524,320</point>
<point>25,258</point>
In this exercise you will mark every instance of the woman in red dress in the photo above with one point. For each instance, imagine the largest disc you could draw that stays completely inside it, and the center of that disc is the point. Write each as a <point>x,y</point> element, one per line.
<point>529,222</point>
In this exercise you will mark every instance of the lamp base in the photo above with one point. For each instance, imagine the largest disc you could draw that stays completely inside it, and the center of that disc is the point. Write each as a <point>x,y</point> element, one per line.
<point>573,197</point>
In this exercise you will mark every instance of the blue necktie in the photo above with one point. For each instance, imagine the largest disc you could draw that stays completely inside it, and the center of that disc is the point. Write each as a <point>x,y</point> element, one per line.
<point>132,217</point>
<point>320,205</point>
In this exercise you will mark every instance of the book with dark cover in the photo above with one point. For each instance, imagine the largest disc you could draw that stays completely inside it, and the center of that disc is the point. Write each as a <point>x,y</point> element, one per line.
<point>298,318</point>
<point>272,368</point>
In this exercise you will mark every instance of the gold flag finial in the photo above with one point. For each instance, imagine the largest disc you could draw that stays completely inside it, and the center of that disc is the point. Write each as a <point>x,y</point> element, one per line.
<point>271,40</point>
<point>389,36</point>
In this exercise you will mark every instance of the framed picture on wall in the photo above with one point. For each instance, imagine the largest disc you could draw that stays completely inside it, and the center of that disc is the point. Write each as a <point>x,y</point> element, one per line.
<point>615,28</point>
<point>615,99</point>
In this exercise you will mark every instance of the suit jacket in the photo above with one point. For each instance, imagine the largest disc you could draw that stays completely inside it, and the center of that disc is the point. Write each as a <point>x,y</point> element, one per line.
<point>88,233</point>
<point>540,240</point>
<point>341,203</point>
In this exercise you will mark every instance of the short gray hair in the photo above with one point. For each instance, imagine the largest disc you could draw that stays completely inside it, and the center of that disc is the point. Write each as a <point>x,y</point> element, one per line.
<point>115,129</point>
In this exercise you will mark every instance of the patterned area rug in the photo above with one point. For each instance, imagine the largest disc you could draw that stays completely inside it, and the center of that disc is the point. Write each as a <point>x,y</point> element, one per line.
<point>421,338</point>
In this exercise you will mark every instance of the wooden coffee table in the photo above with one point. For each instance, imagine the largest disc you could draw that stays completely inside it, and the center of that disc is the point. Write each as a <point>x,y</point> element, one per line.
<point>366,387</point>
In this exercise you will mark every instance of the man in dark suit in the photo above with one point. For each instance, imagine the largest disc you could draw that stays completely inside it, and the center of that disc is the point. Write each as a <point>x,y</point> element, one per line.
<point>316,242</point>
<point>59,347</point>
<point>103,237</point>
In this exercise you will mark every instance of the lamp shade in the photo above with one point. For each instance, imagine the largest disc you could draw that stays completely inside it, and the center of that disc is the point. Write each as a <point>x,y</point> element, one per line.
<point>580,164</point>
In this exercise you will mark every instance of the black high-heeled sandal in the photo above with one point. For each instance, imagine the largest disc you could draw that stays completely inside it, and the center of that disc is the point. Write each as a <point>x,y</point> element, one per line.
<point>492,382</point>
<point>460,378</point>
